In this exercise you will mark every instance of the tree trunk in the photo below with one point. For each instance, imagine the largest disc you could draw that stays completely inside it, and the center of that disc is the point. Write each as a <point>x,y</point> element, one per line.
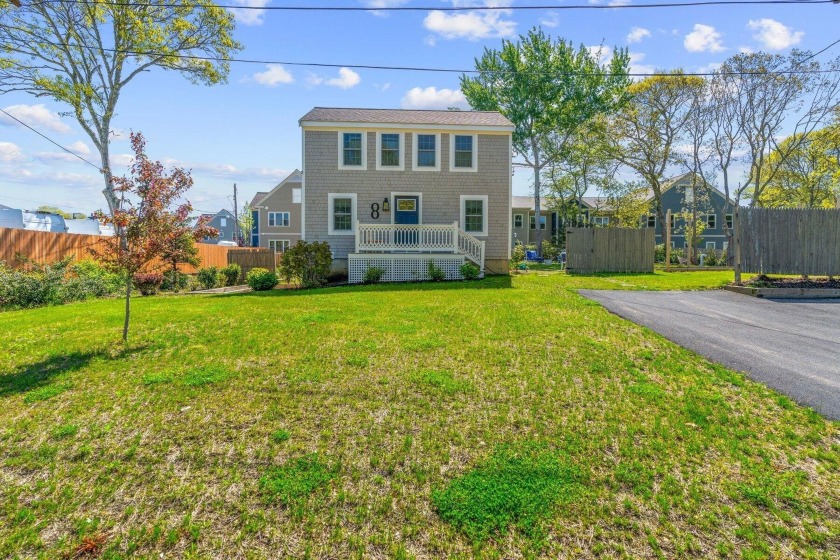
<point>737,239</point>
<point>536,151</point>
<point>127,307</point>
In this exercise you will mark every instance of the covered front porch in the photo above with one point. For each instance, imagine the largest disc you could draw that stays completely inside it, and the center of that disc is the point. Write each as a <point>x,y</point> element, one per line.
<point>404,251</point>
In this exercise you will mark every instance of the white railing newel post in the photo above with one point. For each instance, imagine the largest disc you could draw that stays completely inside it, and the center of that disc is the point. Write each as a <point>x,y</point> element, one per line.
<point>358,234</point>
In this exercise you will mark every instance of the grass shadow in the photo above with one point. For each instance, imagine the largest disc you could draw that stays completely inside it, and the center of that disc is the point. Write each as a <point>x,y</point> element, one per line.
<point>28,377</point>
<point>489,283</point>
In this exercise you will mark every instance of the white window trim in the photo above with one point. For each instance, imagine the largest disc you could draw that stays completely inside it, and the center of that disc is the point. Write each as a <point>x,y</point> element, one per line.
<point>601,220</point>
<point>289,214</point>
<point>341,165</point>
<point>353,214</point>
<point>705,218</point>
<point>452,167</point>
<point>284,244</point>
<point>414,147</point>
<point>463,218</point>
<point>646,220</point>
<point>521,221</point>
<point>729,220</point>
<point>379,166</point>
<point>543,221</point>
<point>419,196</point>
<point>711,245</point>
<point>297,195</point>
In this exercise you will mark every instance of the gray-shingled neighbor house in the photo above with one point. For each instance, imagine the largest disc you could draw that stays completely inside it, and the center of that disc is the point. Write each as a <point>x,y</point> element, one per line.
<point>223,221</point>
<point>277,214</point>
<point>396,189</point>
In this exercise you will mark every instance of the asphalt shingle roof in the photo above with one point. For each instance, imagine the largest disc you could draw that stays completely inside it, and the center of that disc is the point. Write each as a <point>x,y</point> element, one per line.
<point>406,116</point>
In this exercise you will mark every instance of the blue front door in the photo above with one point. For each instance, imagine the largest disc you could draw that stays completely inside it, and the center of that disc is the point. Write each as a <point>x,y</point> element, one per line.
<point>406,212</point>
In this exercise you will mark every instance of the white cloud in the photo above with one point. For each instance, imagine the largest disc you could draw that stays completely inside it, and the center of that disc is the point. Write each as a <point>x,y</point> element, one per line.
<point>551,19</point>
<point>77,147</point>
<point>273,75</point>
<point>610,2</point>
<point>433,98</point>
<point>473,25</point>
<point>637,34</point>
<point>377,5</point>
<point>704,38</point>
<point>249,17</point>
<point>708,68</point>
<point>602,53</point>
<point>745,50</point>
<point>10,152</point>
<point>36,116</point>
<point>774,35</point>
<point>346,79</point>
<point>121,160</point>
<point>636,66</point>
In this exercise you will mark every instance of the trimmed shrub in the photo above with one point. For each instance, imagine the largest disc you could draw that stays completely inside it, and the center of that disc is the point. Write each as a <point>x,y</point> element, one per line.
<point>175,281</point>
<point>436,273</point>
<point>373,275</point>
<point>147,283</point>
<point>549,250</point>
<point>307,264</point>
<point>470,271</point>
<point>231,274</point>
<point>517,255</point>
<point>38,284</point>
<point>659,253</point>
<point>260,279</point>
<point>209,277</point>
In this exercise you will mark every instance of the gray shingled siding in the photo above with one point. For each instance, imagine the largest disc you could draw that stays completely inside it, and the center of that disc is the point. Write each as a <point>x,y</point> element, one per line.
<point>441,190</point>
<point>280,201</point>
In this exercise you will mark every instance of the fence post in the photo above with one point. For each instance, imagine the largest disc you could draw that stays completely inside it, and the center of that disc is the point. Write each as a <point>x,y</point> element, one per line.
<point>667,226</point>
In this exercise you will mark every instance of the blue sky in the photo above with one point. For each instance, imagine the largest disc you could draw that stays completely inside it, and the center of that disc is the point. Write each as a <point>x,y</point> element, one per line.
<point>246,131</point>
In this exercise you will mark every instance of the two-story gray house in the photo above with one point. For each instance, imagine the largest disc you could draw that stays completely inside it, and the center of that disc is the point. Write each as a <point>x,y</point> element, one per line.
<point>396,189</point>
<point>276,216</point>
<point>223,221</point>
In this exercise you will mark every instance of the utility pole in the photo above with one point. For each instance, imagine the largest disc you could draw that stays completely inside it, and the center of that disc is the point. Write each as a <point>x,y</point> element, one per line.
<point>237,235</point>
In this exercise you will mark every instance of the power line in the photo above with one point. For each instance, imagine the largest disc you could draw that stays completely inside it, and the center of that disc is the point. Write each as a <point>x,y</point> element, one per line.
<point>299,8</point>
<point>429,69</point>
<point>50,140</point>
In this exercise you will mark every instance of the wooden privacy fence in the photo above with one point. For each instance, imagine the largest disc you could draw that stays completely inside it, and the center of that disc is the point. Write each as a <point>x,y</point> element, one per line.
<point>790,240</point>
<point>591,250</point>
<point>252,258</point>
<point>48,247</point>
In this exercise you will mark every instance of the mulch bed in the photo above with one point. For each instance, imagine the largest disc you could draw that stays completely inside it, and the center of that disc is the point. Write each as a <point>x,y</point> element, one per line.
<point>764,281</point>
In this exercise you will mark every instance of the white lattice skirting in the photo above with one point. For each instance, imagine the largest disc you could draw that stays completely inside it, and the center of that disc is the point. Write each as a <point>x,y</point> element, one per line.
<point>403,268</point>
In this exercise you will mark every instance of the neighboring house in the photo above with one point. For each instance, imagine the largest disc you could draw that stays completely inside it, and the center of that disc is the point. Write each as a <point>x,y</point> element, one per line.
<point>89,226</point>
<point>593,210</point>
<point>34,221</point>
<point>224,221</point>
<point>277,215</point>
<point>677,196</point>
<point>395,189</point>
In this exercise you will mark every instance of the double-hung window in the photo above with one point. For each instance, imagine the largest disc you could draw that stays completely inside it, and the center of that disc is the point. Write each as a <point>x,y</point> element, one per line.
<point>278,219</point>
<point>534,221</point>
<point>729,221</point>
<point>710,220</point>
<point>342,214</point>
<point>389,151</point>
<point>474,214</point>
<point>517,220</point>
<point>426,152</point>
<point>601,220</point>
<point>462,156</point>
<point>279,245</point>
<point>296,195</point>
<point>352,150</point>
<point>650,220</point>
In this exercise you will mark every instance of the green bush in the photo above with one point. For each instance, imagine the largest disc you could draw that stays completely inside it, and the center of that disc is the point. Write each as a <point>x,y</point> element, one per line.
<point>147,283</point>
<point>517,255</point>
<point>436,273</point>
<point>209,277</point>
<point>175,281</point>
<point>307,264</point>
<point>373,275</point>
<point>712,258</point>
<point>676,255</point>
<point>470,271</point>
<point>231,274</point>
<point>659,253</point>
<point>549,250</point>
<point>260,279</point>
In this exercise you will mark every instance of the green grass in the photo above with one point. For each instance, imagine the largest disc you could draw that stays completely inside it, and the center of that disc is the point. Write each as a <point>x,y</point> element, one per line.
<point>503,418</point>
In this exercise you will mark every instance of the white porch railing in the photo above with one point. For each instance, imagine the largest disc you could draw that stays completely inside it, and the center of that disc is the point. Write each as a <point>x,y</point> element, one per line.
<point>426,238</point>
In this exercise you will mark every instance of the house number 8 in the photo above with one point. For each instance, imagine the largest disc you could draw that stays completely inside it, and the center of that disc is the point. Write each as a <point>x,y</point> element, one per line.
<point>374,210</point>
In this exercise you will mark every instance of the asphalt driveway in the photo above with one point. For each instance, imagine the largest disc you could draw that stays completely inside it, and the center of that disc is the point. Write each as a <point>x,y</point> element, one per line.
<point>792,346</point>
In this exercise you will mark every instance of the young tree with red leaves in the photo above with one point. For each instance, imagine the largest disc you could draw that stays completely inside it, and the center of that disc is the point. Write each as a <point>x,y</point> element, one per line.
<point>147,221</point>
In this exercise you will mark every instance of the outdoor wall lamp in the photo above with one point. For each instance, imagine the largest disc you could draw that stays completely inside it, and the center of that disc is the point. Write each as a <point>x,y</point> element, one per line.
<point>386,205</point>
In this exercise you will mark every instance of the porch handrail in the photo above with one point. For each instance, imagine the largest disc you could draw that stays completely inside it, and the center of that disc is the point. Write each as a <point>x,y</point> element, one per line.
<point>472,247</point>
<point>420,238</point>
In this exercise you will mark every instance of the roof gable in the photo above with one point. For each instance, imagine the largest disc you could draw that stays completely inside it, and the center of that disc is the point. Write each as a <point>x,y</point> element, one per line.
<point>294,178</point>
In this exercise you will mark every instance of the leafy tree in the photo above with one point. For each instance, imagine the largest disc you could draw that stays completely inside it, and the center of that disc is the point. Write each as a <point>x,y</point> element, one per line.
<point>649,128</point>
<point>83,53</point>
<point>55,210</point>
<point>807,177</point>
<point>627,202</point>
<point>548,90</point>
<point>181,249</point>
<point>246,223</point>
<point>146,222</point>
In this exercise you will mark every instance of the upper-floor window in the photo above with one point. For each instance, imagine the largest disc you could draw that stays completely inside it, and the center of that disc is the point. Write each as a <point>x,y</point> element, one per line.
<point>352,150</point>
<point>534,222</point>
<point>296,196</point>
<point>278,219</point>
<point>462,152</point>
<point>729,221</point>
<point>517,220</point>
<point>342,213</point>
<point>474,214</point>
<point>649,220</point>
<point>427,152</point>
<point>389,151</point>
<point>710,220</point>
<point>223,222</point>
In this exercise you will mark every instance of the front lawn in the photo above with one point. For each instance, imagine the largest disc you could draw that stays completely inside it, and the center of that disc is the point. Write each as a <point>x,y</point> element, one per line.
<point>496,419</point>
